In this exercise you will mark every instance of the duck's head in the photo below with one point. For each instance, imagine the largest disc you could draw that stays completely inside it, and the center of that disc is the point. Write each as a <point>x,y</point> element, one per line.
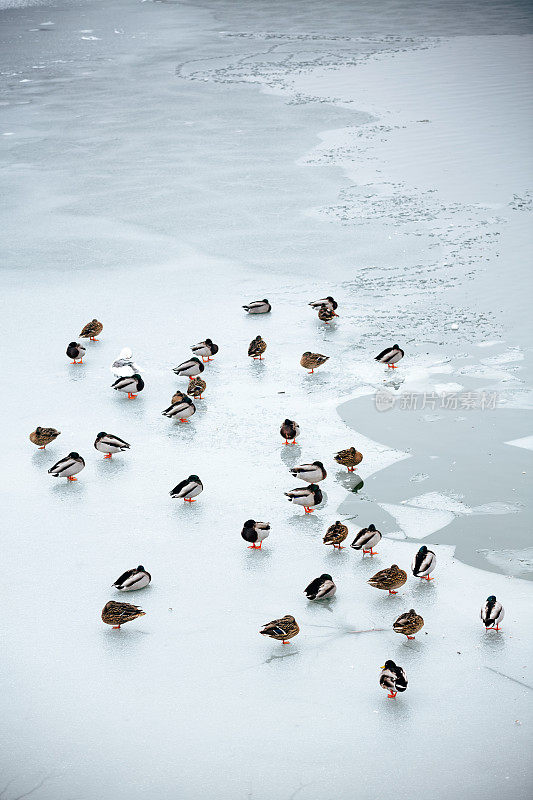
<point>395,566</point>
<point>140,568</point>
<point>307,353</point>
<point>73,344</point>
<point>395,347</point>
<point>389,665</point>
<point>288,422</point>
<point>101,434</point>
<point>423,550</point>
<point>74,455</point>
<point>194,478</point>
<point>38,430</point>
<point>208,341</point>
<point>289,618</point>
<point>312,487</point>
<point>264,300</point>
<point>95,320</point>
<point>491,599</point>
<point>249,523</point>
<point>137,377</point>
<point>194,358</point>
<point>412,611</point>
<point>318,464</point>
<point>371,527</point>
<point>326,577</point>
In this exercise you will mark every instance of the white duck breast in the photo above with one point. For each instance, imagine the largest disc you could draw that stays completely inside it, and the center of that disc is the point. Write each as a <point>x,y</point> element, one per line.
<point>67,467</point>
<point>423,563</point>
<point>311,473</point>
<point>366,539</point>
<point>110,444</point>
<point>182,410</point>
<point>132,579</point>
<point>258,307</point>
<point>189,368</point>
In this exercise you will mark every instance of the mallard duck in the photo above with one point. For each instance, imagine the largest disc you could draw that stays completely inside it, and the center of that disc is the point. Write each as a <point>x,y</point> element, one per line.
<point>289,430</point>
<point>390,356</point>
<point>92,329</point>
<point>492,614</point>
<point>312,361</point>
<point>123,366</point>
<point>68,467</point>
<point>116,614</point>
<point>132,385</point>
<point>310,473</point>
<point>391,579</point>
<point>195,388</point>
<point>321,588</point>
<point>328,302</point>
<point>392,679</point>
<point>306,496</point>
<point>190,368</point>
<point>256,348</point>
<point>349,458</point>
<point>133,579</point>
<point>281,629</point>
<point>182,409</point>
<point>408,623</point>
<point>424,562</point>
<point>366,539</point>
<point>255,532</point>
<point>207,348</point>
<point>43,436</point>
<point>336,534</point>
<point>188,489</point>
<point>258,307</point>
<point>108,443</point>
<point>326,314</point>
<point>74,351</point>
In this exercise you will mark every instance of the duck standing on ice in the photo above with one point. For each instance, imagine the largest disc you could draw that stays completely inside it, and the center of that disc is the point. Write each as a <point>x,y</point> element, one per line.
<point>255,532</point>
<point>91,330</point>
<point>43,436</point>
<point>389,579</point>
<point>289,430</point>
<point>258,307</point>
<point>133,579</point>
<point>205,349</point>
<point>312,361</point>
<point>492,613</point>
<point>281,629</point>
<point>366,540</point>
<point>321,588</point>
<point>256,348</point>
<point>108,443</point>
<point>349,458</point>
<point>390,356</point>
<point>190,368</point>
<point>124,366</point>
<point>336,534</point>
<point>76,350</point>
<point>310,473</point>
<point>131,385</point>
<point>306,496</point>
<point>424,562</point>
<point>68,467</point>
<point>188,489</point>
<point>328,302</point>
<point>392,678</point>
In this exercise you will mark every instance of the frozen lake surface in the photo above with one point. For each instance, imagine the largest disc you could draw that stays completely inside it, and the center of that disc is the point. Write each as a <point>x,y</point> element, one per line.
<point>164,163</point>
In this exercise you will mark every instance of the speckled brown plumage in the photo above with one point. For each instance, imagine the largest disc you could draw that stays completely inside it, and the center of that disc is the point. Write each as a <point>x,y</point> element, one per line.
<point>256,348</point>
<point>281,629</point>
<point>92,329</point>
<point>349,458</point>
<point>326,314</point>
<point>336,534</point>
<point>116,614</point>
<point>389,579</point>
<point>43,436</point>
<point>178,397</point>
<point>408,623</point>
<point>196,387</point>
<point>312,360</point>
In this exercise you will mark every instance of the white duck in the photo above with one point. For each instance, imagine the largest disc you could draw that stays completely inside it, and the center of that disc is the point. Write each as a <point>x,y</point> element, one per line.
<point>124,366</point>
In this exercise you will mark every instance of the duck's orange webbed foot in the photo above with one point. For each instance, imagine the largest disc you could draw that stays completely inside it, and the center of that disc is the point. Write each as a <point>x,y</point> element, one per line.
<point>391,591</point>
<point>108,455</point>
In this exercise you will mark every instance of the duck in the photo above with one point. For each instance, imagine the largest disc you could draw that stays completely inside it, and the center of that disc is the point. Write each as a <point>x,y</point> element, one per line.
<point>310,473</point>
<point>366,540</point>
<point>312,361</point>
<point>258,307</point>
<point>281,629</point>
<point>390,356</point>
<point>68,467</point>
<point>336,534</point>
<point>178,396</point>
<point>91,330</point>
<point>321,588</point>
<point>207,348</point>
<point>255,532</point>
<point>188,489</point>
<point>196,388</point>
<point>190,368</point>
<point>43,436</point>
<point>133,579</point>
<point>289,430</point>
<point>424,562</point>
<point>116,614</point>
<point>256,348</point>
<point>391,579</point>
<point>326,314</point>
<point>124,366</point>
<point>492,613</point>
<point>181,409</point>
<point>392,678</point>
<point>74,351</point>
<point>349,458</point>
<point>328,302</point>
<point>306,496</point>
<point>108,443</point>
<point>132,384</point>
<point>408,623</point>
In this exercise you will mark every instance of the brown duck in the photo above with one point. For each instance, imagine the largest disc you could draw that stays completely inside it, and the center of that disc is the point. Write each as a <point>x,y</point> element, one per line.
<point>349,458</point>
<point>195,388</point>
<point>336,534</point>
<point>116,614</point>
<point>43,436</point>
<point>391,579</point>
<point>326,314</point>
<point>92,329</point>
<point>256,348</point>
<point>177,397</point>
<point>408,623</point>
<point>312,361</point>
<point>281,629</point>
